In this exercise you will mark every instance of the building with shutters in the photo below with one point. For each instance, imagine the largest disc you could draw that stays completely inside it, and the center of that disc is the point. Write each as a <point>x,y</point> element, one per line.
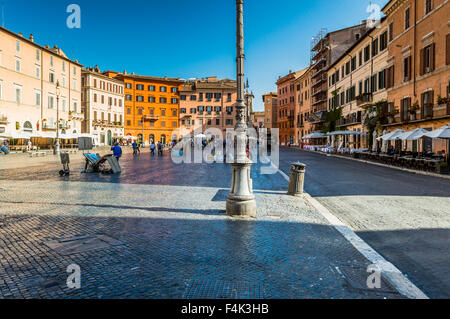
<point>207,103</point>
<point>102,102</point>
<point>419,49</point>
<point>29,96</point>
<point>151,106</point>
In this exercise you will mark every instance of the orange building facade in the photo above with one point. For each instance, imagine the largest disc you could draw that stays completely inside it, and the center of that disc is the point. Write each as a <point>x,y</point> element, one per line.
<point>151,107</point>
<point>419,60</point>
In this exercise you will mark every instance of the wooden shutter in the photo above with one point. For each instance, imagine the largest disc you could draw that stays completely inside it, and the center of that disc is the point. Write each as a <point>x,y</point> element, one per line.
<point>447,59</point>
<point>432,56</point>
<point>422,61</point>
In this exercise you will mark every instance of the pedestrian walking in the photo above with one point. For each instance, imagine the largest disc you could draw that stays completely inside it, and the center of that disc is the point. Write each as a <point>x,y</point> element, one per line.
<point>29,146</point>
<point>117,151</point>
<point>160,151</point>
<point>152,148</point>
<point>135,147</point>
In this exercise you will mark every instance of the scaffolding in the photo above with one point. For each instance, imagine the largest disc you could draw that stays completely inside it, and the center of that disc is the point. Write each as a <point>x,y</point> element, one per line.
<point>316,39</point>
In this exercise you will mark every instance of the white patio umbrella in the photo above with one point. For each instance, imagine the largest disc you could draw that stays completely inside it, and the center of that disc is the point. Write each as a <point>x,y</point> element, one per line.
<point>344,133</point>
<point>413,135</point>
<point>443,132</point>
<point>314,136</point>
<point>391,136</point>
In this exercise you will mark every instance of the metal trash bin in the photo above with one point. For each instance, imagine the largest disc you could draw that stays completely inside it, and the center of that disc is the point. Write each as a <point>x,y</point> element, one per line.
<point>297,179</point>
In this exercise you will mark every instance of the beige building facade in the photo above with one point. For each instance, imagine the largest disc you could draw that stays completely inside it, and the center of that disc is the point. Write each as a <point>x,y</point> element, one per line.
<point>357,81</point>
<point>103,106</point>
<point>29,96</point>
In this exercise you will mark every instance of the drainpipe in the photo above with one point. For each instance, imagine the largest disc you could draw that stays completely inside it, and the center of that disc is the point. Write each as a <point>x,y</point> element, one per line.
<point>414,49</point>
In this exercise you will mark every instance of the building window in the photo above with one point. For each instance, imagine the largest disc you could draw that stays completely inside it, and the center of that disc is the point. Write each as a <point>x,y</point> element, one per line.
<point>407,69</point>
<point>174,101</point>
<point>38,72</point>
<point>193,97</point>
<point>375,47</point>
<point>383,41</point>
<point>128,110</point>
<point>367,53</point>
<point>229,121</point>
<point>51,60</point>
<point>139,111</point>
<point>51,77</point>
<point>151,88</point>
<point>427,59</point>
<point>183,97</point>
<point>37,98</point>
<point>139,98</point>
<point>38,55</point>
<point>162,89</point>
<point>428,6</point>
<point>173,90</point>
<point>18,65</point>
<point>174,124</point>
<point>151,99</point>
<point>51,101</point>
<point>17,46</point>
<point>128,97</point>
<point>407,18</point>
<point>193,110</point>
<point>162,100</point>
<point>382,79</point>
<point>391,31</point>
<point>163,124</point>
<point>139,87</point>
<point>128,85</point>
<point>182,111</point>
<point>163,112</point>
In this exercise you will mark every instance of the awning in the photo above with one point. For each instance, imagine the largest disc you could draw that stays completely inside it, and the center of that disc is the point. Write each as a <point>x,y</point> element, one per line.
<point>391,136</point>
<point>344,133</point>
<point>443,132</point>
<point>314,136</point>
<point>414,135</point>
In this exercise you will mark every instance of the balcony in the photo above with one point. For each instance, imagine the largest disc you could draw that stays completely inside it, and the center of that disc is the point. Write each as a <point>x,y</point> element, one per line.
<point>49,127</point>
<point>76,116</point>
<point>3,119</point>
<point>364,98</point>
<point>150,118</point>
<point>319,91</point>
<point>350,119</point>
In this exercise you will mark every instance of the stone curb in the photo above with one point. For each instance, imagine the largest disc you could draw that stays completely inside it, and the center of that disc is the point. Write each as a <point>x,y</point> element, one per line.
<point>382,165</point>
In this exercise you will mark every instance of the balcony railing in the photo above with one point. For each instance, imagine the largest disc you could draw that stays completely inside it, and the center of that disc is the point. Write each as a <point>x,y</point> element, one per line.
<point>3,119</point>
<point>364,98</point>
<point>351,119</point>
<point>76,116</point>
<point>151,118</point>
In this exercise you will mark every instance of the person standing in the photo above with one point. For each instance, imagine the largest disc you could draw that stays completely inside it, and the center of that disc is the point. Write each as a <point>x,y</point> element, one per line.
<point>152,148</point>
<point>29,146</point>
<point>160,152</point>
<point>117,151</point>
<point>135,147</point>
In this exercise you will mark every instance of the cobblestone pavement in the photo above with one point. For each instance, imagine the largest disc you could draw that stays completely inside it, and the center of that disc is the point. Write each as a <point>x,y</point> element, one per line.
<point>403,216</point>
<point>159,230</point>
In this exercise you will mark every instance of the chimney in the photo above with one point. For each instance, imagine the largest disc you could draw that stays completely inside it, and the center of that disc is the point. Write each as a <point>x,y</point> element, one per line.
<point>31,37</point>
<point>21,34</point>
<point>125,72</point>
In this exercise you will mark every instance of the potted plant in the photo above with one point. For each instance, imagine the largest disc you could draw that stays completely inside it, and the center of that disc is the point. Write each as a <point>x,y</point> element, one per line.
<point>442,100</point>
<point>412,111</point>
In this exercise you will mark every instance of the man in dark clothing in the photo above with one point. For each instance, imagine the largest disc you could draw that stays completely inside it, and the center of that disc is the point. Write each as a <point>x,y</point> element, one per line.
<point>135,147</point>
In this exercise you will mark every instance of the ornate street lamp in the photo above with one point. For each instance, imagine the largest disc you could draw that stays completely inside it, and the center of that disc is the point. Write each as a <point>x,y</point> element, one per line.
<point>241,201</point>
<point>56,150</point>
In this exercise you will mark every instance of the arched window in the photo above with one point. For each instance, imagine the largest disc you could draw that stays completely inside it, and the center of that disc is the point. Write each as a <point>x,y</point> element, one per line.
<point>27,126</point>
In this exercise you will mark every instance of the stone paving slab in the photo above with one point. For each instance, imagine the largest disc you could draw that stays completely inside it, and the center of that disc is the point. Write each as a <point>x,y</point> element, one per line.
<point>177,242</point>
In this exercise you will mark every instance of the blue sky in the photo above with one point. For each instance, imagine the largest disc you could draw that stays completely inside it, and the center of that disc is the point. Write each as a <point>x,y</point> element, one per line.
<point>186,39</point>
